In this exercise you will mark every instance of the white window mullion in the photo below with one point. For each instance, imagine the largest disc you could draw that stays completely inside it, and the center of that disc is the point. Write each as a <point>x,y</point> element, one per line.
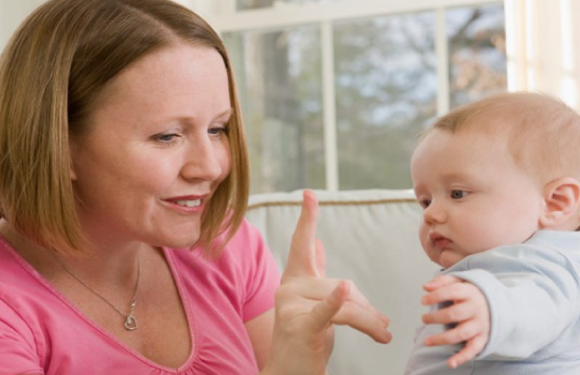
<point>442,55</point>
<point>329,106</point>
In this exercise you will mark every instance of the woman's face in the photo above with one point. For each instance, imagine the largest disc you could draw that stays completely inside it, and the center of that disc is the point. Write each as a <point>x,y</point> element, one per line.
<point>156,149</point>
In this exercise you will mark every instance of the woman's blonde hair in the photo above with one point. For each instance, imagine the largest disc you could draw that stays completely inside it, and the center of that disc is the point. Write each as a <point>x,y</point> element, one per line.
<point>51,73</point>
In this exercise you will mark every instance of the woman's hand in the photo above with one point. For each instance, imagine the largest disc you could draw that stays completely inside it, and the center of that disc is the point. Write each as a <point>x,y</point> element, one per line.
<point>308,304</point>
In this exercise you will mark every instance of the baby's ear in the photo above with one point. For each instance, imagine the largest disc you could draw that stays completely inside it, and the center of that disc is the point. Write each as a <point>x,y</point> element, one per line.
<point>561,204</point>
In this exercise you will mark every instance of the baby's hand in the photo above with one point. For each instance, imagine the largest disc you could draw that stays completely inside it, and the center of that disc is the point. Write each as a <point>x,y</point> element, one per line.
<point>469,311</point>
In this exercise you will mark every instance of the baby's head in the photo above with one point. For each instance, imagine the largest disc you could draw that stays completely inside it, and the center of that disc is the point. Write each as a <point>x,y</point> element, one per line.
<point>493,172</point>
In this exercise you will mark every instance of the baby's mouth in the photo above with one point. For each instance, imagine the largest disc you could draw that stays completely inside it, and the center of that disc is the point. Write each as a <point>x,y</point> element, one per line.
<point>439,242</point>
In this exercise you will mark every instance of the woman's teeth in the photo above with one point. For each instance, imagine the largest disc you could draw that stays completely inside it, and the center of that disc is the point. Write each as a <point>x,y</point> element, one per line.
<point>192,203</point>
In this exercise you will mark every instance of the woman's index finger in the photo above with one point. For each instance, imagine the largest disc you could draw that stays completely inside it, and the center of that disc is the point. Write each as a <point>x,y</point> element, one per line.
<point>302,260</point>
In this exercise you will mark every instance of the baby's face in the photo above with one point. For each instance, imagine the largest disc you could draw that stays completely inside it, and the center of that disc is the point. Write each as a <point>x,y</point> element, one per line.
<point>473,194</point>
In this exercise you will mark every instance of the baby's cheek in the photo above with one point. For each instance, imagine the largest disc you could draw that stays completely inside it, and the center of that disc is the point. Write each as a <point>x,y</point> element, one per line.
<point>432,253</point>
<point>480,240</point>
<point>425,244</point>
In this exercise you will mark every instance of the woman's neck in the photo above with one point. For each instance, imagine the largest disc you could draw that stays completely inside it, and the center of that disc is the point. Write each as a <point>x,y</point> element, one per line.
<point>100,264</point>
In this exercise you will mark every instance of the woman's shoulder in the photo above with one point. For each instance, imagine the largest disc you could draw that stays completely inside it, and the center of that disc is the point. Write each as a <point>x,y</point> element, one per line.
<point>15,272</point>
<point>23,308</point>
<point>25,291</point>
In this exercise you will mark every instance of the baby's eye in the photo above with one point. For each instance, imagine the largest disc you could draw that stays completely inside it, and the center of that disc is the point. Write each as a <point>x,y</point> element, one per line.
<point>424,202</point>
<point>458,194</point>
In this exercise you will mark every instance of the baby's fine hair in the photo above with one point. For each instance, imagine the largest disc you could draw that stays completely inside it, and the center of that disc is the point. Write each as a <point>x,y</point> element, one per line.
<point>542,131</point>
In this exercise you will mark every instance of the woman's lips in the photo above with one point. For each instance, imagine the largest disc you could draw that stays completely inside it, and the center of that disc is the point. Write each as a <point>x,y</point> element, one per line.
<point>189,203</point>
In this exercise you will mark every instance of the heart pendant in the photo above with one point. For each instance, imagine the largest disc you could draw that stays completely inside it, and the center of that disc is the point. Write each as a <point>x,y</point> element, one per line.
<point>130,323</point>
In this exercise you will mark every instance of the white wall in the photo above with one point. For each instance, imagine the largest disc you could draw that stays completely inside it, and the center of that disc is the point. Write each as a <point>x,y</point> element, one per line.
<point>12,13</point>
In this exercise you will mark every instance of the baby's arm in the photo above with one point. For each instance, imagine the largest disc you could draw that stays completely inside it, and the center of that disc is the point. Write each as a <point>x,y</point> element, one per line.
<point>469,311</point>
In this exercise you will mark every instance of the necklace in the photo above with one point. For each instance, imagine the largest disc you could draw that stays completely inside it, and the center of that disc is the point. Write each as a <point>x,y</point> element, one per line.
<point>130,323</point>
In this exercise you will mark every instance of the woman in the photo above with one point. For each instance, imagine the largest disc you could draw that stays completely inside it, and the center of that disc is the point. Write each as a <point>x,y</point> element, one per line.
<point>123,189</point>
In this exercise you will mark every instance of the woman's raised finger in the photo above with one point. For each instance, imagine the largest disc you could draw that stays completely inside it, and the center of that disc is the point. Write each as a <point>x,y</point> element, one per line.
<point>302,258</point>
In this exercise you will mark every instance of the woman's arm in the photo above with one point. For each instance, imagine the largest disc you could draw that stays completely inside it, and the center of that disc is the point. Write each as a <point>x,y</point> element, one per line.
<point>260,330</point>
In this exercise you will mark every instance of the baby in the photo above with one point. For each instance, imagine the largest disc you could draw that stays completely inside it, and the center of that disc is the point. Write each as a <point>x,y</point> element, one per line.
<point>499,184</point>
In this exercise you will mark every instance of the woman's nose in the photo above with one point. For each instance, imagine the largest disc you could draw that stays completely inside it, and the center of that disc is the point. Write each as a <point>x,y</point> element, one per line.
<point>205,160</point>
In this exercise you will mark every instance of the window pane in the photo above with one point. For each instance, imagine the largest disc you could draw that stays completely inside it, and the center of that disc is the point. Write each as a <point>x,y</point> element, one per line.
<point>279,82</point>
<point>477,54</point>
<point>386,93</point>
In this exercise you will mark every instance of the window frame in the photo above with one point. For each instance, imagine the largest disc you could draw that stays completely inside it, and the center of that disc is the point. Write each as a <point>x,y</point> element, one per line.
<point>225,18</point>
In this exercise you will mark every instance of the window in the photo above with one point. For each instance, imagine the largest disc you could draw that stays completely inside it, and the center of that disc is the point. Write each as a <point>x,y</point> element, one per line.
<point>335,93</point>
<point>279,75</point>
<point>386,91</point>
<point>477,52</point>
<point>256,4</point>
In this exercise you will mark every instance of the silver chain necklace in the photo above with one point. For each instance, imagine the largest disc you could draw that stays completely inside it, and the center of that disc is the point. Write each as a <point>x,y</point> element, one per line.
<point>130,323</point>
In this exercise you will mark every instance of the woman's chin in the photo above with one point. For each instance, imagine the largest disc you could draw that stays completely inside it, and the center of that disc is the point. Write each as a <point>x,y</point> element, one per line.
<point>176,241</point>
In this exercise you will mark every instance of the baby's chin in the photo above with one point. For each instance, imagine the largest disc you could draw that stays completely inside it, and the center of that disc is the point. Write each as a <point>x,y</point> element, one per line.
<point>448,259</point>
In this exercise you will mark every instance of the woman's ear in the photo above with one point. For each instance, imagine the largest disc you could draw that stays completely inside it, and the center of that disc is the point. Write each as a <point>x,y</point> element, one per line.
<point>561,204</point>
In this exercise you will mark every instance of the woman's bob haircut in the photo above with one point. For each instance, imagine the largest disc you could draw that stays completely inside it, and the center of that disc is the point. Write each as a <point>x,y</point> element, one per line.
<point>51,73</point>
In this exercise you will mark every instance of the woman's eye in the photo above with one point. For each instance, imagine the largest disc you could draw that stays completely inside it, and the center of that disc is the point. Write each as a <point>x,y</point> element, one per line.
<point>458,194</point>
<point>167,138</point>
<point>218,131</point>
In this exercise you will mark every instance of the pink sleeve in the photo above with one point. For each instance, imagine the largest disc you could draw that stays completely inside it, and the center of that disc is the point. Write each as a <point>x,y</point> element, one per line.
<point>263,276</point>
<point>17,345</point>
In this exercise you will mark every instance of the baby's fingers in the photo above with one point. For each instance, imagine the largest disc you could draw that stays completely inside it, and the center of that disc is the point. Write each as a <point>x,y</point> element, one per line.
<point>462,332</point>
<point>472,348</point>
<point>451,292</point>
<point>440,281</point>
<point>455,313</point>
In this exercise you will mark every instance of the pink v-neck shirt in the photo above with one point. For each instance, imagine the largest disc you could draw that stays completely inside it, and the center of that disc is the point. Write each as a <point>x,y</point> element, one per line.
<point>42,332</point>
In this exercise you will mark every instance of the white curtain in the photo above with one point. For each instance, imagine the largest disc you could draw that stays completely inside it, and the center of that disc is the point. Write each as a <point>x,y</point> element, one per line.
<point>543,46</point>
